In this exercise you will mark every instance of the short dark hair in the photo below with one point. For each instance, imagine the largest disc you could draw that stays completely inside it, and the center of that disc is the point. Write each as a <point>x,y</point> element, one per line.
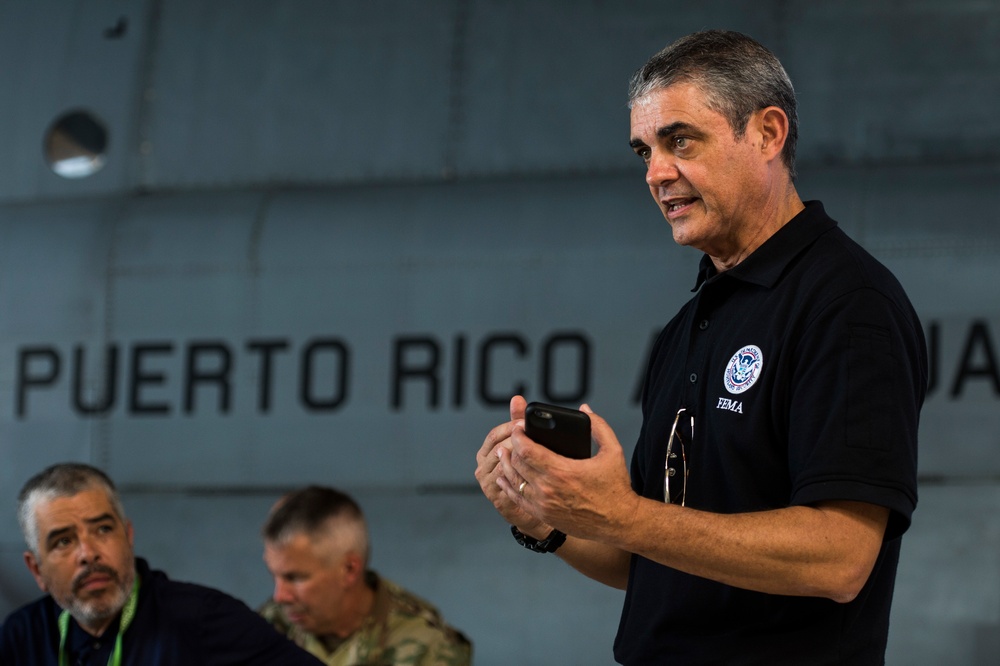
<point>61,480</point>
<point>319,512</point>
<point>737,74</point>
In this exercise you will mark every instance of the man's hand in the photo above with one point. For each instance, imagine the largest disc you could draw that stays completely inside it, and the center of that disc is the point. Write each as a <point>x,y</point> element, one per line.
<point>488,471</point>
<point>590,498</point>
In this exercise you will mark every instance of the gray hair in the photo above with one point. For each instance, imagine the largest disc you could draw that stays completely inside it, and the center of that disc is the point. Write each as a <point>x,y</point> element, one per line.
<point>61,480</point>
<point>738,76</point>
<point>323,514</point>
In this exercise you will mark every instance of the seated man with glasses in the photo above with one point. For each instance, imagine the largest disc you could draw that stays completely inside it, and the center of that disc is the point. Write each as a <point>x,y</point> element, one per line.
<point>775,470</point>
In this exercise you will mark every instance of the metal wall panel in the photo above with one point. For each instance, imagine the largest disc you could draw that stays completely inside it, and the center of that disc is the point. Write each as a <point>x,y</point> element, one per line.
<point>316,92</point>
<point>488,89</point>
<point>63,55</point>
<point>895,81</point>
<point>252,92</point>
<point>946,609</point>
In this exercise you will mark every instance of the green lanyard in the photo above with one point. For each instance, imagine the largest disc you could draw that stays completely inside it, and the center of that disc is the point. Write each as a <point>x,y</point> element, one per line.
<point>128,613</point>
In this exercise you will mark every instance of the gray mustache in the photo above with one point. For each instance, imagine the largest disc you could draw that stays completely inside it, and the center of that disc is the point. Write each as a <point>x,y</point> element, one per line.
<point>95,569</point>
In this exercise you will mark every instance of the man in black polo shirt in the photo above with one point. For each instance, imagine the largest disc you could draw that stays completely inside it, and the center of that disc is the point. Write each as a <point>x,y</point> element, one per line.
<point>775,470</point>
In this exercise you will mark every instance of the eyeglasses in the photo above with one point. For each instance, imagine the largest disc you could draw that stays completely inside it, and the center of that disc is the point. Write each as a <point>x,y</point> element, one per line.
<point>669,471</point>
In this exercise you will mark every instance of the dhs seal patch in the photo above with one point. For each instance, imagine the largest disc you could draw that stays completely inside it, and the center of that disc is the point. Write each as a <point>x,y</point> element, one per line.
<point>743,369</point>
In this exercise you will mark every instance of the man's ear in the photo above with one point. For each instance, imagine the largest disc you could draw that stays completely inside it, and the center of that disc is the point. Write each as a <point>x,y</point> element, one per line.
<point>32,564</point>
<point>772,123</point>
<point>354,566</point>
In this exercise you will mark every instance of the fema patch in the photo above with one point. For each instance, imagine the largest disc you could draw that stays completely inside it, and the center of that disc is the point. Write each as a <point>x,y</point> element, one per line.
<point>743,369</point>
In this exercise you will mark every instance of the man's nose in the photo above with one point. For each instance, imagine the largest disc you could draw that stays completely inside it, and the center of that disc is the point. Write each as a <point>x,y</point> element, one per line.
<point>87,551</point>
<point>282,592</point>
<point>662,169</point>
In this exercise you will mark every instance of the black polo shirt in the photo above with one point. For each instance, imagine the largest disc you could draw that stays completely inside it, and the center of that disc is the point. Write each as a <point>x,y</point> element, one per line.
<point>176,624</point>
<point>804,368</point>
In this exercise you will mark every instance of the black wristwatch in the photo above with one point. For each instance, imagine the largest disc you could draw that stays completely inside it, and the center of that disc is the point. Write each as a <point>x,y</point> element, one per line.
<point>547,545</point>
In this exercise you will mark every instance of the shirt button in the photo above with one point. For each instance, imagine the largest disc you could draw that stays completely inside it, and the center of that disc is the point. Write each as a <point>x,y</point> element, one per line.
<point>703,324</point>
<point>693,377</point>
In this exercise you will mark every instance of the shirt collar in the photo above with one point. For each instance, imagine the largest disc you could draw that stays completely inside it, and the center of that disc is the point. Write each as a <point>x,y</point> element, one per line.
<point>766,264</point>
<point>80,642</point>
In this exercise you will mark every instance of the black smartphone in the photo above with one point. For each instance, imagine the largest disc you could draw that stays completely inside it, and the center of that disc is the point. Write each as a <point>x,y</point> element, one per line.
<point>561,429</point>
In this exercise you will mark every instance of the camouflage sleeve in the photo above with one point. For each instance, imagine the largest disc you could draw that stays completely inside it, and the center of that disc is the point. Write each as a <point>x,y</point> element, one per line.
<point>428,646</point>
<point>451,651</point>
<point>417,635</point>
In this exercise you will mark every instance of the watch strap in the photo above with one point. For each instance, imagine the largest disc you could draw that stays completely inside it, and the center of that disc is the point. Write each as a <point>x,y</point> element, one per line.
<point>547,545</point>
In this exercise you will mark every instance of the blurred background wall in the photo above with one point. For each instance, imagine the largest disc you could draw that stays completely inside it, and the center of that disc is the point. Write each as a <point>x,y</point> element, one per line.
<point>248,245</point>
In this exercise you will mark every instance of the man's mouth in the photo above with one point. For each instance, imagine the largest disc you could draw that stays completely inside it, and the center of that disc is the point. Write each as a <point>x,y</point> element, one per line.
<point>295,616</point>
<point>675,205</point>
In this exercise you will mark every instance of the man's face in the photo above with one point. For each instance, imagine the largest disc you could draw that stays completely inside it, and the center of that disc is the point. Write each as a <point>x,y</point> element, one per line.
<point>709,186</point>
<point>85,558</point>
<point>309,583</point>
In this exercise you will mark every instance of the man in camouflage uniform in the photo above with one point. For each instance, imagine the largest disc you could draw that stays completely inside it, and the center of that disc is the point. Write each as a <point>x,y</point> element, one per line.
<point>329,602</point>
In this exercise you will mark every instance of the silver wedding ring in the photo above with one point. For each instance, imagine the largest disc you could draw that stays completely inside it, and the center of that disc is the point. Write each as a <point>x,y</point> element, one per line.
<point>520,488</point>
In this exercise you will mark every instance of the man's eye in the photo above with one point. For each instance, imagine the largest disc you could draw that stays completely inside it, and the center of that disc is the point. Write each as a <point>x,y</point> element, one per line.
<point>643,153</point>
<point>680,142</point>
